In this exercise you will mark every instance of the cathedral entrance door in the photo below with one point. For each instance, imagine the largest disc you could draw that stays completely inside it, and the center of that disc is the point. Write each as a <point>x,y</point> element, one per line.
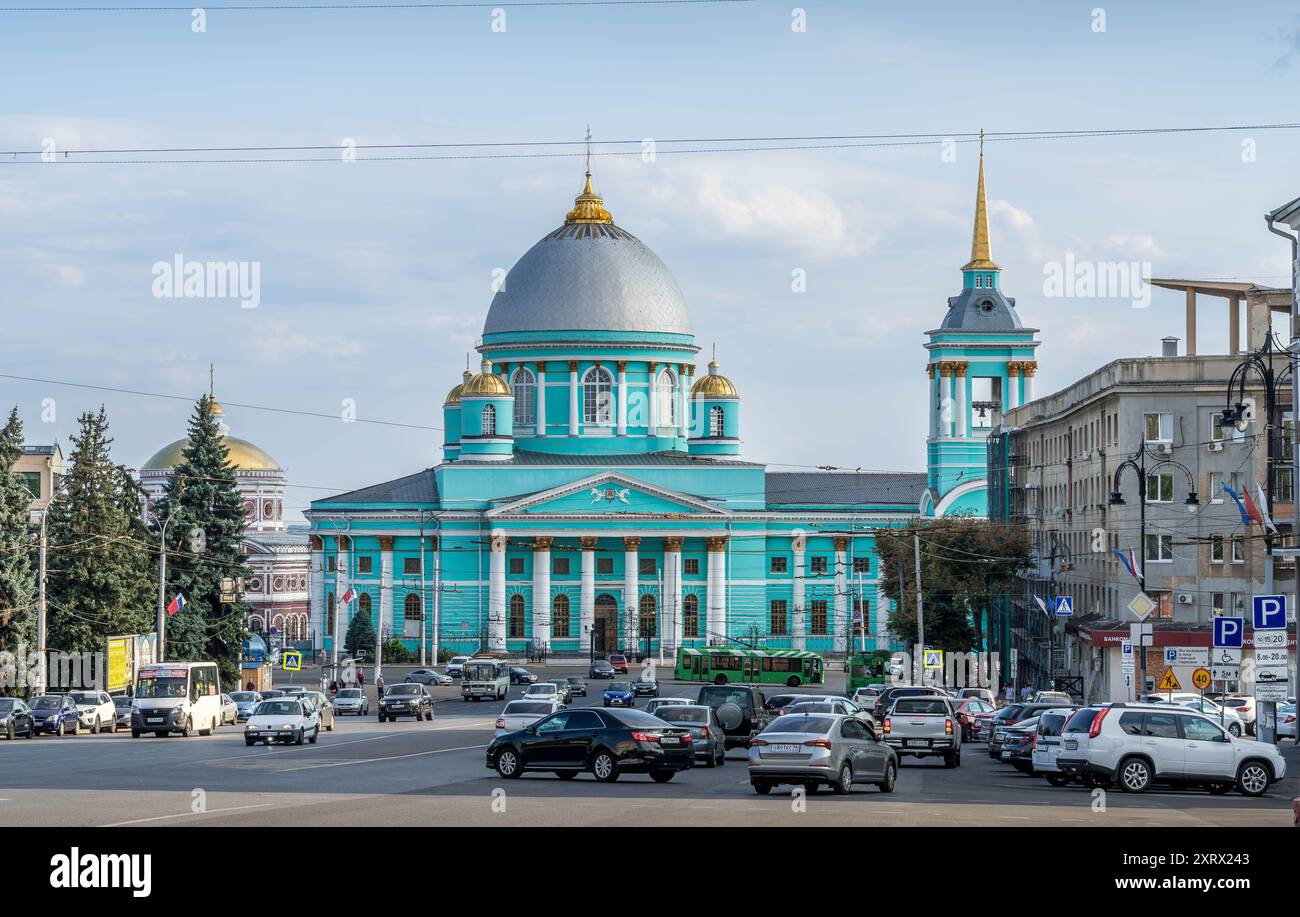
<point>602,636</point>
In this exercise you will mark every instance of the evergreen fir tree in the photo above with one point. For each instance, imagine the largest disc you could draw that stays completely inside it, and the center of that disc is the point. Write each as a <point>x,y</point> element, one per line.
<point>205,542</point>
<point>17,576</point>
<point>361,634</point>
<point>98,576</point>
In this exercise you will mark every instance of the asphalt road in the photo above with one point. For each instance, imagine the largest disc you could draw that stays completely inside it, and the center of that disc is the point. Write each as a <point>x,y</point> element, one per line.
<point>407,773</point>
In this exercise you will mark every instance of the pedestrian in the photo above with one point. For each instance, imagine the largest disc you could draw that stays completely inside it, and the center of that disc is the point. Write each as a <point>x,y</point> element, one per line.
<point>361,677</point>
<point>379,686</point>
<point>324,682</point>
<point>334,687</point>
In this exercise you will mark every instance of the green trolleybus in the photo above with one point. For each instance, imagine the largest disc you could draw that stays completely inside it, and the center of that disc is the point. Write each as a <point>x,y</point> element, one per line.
<point>721,664</point>
<point>869,668</point>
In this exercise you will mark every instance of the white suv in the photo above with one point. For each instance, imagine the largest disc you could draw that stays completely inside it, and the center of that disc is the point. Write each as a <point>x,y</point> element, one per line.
<point>1140,744</point>
<point>1047,744</point>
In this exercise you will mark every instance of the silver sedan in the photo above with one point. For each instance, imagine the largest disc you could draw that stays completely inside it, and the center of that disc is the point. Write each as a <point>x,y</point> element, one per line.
<point>815,749</point>
<point>707,735</point>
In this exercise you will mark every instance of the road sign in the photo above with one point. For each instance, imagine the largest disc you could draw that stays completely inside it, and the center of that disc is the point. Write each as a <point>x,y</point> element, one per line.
<point>933,659</point>
<point>1064,606</point>
<point>1225,672</point>
<point>1201,679</point>
<point>1141,605</point>
<point>1226,655</point>
<point>1269,612</point>
<point>1271,657</point>
<point>1271,675</point>
<point>291,661</point>
<point>1015,657</point>
<point>1126,656</point>
<point>1270,639</point>
<point>1169,682</point>
<point>1142,634</point>
<point>1275,693</point>
<point>1229,631</point>
<point>1187,655</point>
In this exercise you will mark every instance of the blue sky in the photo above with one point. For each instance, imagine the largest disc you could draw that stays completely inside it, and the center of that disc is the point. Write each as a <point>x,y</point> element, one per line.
<point>375,276</point>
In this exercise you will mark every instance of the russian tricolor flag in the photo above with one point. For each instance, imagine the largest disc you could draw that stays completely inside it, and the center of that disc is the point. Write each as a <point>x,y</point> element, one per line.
<point>175,605</point>
<point>1128,557</point>
<point>349,595</point>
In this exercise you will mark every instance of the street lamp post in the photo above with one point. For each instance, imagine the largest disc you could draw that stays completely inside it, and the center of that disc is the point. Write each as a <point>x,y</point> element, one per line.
<point>1138,464</point>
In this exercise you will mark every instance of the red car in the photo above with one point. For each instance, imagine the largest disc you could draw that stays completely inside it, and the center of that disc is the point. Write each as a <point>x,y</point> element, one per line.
<point>974,714</point>
<point>619,663</point>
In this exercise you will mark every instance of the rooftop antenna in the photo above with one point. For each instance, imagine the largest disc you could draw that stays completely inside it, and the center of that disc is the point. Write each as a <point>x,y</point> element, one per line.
<point>589,151</point>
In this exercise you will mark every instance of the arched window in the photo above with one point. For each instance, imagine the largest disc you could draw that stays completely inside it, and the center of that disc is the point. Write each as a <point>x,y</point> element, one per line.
<point>517,616</point>
<point>666,390</point>
<point>255,625</point>
<point>560,616</point>
<point>411,607</point>
<point>691,616</point>
<point>524,386</point>
<point>598,397</point>
<point>648,617</point>
<point>715,420</point>
<point>489,420</point>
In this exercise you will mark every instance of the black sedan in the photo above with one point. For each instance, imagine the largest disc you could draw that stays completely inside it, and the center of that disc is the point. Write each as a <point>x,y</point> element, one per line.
<point>645,687</point>
<point>601,668</point>
<point>606,743</point>
<point>16,718</point>
<point>577,687</point>
<point>405,700</point>
<point>521,676</point>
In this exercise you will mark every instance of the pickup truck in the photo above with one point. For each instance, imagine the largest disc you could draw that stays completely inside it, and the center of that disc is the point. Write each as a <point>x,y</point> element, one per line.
<point>924,726</point>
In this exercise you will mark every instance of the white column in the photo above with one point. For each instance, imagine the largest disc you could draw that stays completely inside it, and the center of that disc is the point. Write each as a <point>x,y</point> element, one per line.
<point>573,398</point>
<point>316,602</point>
<point>934,401</point>
<point>1029,372</point>
<point>587,603</point>
<point>798,624</point>
<point>959,406</point>
<point>631,593</point>
<point>385,609</point>
<point>654,399</point>
<point>541,592</point>
<point>541,399</point>
<point>717,601</point>
<point>882,618</point>
<point>622,397</point>
<point>496,642</point>
<point>949,425</point>
<point>841,594</point>
<point>683,412</point>
<point>673,593</point>
<point>342,616</point>
<point>1013,385</point>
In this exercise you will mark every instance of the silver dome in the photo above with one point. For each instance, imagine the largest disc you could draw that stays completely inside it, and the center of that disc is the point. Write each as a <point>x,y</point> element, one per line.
<point>589,277</point>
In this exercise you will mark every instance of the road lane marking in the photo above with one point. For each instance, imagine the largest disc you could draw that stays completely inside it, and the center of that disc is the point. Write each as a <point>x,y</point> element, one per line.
<point>140,821</point>
<point>416,754</point>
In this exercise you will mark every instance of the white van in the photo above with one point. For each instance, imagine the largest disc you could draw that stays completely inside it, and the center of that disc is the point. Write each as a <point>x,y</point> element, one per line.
<point>182,697</point>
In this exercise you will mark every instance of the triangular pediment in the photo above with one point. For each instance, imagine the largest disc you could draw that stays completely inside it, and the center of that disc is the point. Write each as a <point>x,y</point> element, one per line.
<point>607,493</point>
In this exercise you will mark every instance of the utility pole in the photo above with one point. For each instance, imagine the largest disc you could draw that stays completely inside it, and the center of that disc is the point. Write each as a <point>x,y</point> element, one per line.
<point>40,612</point>
<point>920,603</point>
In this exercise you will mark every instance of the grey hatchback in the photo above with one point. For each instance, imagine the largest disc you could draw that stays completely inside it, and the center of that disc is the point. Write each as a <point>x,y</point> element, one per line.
<point>815,749</point>
<point>707,736</point>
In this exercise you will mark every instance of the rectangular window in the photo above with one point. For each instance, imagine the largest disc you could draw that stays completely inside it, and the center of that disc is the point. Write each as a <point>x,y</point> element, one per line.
<point>1160,548</point>
<point>1238,550</point>
<point>780,565</point>
<point>1219,434</point>
<point>1160,487</point>
<point>818,565</point>
<point>646,566</point>
<point>1160,428</point>
<point>779,625</point>
<point>560,565</point>
<point>1216,549</point>
<point>516,565</point>
<point>32,481</point>
<point>604,566</point>
<point>331,563</point>
<point>817,613</point>
<point>691,566</point>
<point>1215,493</point>
<point>1216,603</point>
<point>410,566</point>
<point>364,565</point>
<point>861,613</point>
<point>862,565</point>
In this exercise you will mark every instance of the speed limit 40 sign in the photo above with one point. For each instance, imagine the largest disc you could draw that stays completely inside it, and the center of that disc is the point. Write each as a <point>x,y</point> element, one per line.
<point>1201,679</point>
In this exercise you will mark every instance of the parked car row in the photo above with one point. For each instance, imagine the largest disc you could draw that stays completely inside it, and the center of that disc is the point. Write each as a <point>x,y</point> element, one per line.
<point>71,713</point>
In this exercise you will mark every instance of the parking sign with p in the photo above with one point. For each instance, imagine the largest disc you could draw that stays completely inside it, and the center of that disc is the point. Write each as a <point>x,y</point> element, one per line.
<point>1229,632</point>
<point>1269,612</point>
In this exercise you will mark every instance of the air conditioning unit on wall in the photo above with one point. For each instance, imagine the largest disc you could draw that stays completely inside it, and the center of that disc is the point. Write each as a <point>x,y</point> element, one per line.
<point>1186,598</point>
<point>1215,447</point>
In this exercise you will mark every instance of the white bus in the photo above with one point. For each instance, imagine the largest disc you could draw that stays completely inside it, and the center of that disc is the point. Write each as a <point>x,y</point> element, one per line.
<point>183,697</point>
<point>484,678</point>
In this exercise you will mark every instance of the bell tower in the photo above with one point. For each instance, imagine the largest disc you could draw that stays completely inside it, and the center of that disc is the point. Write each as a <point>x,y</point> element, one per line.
<point>981,363</point>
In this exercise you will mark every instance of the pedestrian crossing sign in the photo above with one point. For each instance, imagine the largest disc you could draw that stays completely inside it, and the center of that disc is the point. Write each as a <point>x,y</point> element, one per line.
<point>291,661</point>
<point>933,659</point>
<point>1169,682</point>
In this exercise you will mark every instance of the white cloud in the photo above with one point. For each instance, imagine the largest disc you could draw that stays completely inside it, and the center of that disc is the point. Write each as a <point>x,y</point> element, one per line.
<point>279,340</point>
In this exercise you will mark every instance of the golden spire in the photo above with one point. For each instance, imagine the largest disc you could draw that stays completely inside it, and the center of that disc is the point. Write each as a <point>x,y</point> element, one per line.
<point>588,207</point>
<point>980,257</point>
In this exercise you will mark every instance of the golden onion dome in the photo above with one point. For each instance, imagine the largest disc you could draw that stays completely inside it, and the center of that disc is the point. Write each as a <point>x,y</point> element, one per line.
<point>453,396</point>
<point>588,207</point>
<point>485,382</point>
<point>244,456</point>
<point>714,385</point>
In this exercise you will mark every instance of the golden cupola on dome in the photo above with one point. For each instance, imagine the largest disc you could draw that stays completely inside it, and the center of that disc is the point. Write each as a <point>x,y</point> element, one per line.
<point>244,456</point>
<point>714,385</point>
<point>453,396</point>
<point>486,383</point>
<point>588,207</point>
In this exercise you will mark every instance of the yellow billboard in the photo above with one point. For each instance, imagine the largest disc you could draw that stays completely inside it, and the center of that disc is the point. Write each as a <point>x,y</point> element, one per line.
<point>121,659</point>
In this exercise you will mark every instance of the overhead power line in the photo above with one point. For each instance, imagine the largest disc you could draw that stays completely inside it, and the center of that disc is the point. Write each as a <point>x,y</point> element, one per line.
<point>544,149</point>
<point>332,7</point>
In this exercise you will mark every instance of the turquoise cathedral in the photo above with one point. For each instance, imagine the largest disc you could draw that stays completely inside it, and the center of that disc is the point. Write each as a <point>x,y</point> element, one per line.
<point>593,496</point>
